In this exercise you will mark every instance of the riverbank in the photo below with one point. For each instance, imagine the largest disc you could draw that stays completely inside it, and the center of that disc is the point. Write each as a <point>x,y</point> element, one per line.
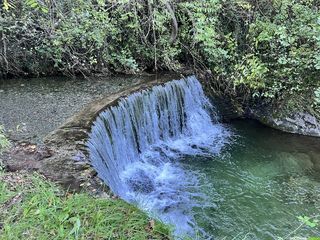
<point>32,207</point>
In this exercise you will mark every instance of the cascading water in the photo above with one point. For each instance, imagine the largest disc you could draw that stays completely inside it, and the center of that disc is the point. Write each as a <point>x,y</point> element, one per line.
<point>136,148</point>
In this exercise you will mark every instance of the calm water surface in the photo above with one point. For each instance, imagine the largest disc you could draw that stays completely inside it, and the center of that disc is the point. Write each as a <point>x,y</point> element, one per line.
<point>31,108</point>
<point>258,186</point>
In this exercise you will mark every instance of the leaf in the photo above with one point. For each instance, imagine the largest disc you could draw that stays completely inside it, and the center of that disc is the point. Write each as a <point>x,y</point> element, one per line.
<point>7,5</point>
<point>44,10</point>
<point>307,221</point>
<point>76,226</point>
<point>311,224</point>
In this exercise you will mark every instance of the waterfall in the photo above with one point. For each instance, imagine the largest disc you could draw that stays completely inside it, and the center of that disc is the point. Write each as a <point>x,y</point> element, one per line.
<point>137,145</point>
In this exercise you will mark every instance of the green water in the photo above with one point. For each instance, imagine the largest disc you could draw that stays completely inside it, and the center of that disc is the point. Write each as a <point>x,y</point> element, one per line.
<point>259,185</point>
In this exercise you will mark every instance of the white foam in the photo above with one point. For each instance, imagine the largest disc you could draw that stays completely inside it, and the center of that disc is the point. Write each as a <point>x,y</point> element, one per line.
<point>136,147</point>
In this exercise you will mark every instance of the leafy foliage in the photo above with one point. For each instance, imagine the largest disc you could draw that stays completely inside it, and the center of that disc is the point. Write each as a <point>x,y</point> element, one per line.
<point>263,48</point>
<point>251,72</point>
<point>85,37</point>
<point>7,5</point>
<point>286,40</point>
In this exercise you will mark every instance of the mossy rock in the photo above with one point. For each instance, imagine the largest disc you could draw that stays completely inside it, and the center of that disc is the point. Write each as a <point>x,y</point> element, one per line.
<point>294,113</point>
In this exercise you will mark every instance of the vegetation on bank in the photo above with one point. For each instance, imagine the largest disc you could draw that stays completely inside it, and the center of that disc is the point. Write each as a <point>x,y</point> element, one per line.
<point>33,208</point>
<point>256,48</point>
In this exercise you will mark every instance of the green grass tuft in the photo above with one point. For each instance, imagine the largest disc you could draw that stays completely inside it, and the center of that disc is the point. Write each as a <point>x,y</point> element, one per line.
<point>33,208</point>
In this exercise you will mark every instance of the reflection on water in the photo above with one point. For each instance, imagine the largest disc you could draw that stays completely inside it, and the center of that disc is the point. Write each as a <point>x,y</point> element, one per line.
<point>259,185</point>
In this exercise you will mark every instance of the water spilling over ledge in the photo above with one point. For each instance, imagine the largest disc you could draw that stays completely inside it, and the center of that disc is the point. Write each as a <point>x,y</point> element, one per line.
<point>136,145</point>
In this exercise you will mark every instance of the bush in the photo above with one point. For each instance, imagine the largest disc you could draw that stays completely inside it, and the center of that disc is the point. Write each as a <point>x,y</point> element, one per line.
<point>263,48</point>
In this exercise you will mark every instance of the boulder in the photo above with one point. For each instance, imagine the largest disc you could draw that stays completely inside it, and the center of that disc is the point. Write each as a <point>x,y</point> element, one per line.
<point>301,123</point>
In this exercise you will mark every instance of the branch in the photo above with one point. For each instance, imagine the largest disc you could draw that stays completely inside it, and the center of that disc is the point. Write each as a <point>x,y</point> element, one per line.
<point>174,32</point>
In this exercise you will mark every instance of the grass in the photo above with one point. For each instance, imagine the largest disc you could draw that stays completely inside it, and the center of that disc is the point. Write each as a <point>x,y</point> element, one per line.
<point>31,207</point>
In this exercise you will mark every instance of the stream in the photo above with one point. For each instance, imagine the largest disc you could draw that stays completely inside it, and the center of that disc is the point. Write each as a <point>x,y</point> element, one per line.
<point>259,185</point>
<point>176,161</point>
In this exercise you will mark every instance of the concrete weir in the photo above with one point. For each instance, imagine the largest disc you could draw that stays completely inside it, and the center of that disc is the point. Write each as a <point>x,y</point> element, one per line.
<point>63,156</point>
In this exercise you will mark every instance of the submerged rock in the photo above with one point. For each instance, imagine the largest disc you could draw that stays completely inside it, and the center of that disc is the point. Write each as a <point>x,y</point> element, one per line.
<point>301,189</point>
<point>315,158</point>
<point>294,162</point>
<point>287,163</point>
